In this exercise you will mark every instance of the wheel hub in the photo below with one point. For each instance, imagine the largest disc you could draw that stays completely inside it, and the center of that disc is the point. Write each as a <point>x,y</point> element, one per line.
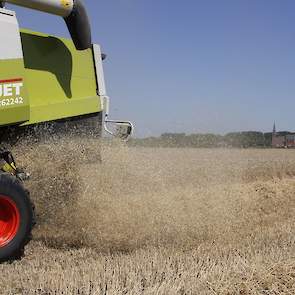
<point>9,220</point>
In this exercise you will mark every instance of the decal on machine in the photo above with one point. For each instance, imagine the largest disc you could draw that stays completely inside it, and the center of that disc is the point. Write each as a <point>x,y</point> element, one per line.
<point>65,3</point>
<point>10,92</point>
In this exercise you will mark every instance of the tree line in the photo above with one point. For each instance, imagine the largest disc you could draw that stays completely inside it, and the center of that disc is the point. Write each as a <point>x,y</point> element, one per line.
<point>246,139</point>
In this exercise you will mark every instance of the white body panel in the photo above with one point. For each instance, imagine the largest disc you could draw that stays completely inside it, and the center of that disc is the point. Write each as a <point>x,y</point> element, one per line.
<point>101,91</point>
<point>57,7</point>
<point>10,41</point>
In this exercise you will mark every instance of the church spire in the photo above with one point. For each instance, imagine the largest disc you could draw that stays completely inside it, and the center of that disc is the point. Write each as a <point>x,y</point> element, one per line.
<point>274,131</point>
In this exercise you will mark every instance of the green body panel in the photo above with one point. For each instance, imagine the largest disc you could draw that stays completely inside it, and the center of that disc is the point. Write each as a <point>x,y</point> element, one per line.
<point>11,111</point>
<point>59,81</point>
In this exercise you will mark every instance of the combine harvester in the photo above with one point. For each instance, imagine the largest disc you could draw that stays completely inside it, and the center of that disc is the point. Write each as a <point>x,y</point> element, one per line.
<point>45,81</point>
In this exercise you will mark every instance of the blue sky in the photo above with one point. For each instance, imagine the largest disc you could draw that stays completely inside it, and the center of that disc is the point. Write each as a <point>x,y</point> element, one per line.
<point>193,65</point>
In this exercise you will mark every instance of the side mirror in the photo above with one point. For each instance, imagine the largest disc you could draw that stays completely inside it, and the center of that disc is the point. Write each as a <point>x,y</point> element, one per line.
<point>119,129</point>
<point>124,130</point>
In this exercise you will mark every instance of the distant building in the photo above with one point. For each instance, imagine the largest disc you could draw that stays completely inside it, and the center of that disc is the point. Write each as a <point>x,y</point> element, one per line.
<point>282,139</point>
<point>290,140</point>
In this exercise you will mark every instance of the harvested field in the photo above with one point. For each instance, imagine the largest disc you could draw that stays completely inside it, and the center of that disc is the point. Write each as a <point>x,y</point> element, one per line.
<point>158,221</point>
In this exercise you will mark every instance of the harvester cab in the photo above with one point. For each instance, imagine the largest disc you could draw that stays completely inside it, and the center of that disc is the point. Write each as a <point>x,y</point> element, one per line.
<point>45,81</point>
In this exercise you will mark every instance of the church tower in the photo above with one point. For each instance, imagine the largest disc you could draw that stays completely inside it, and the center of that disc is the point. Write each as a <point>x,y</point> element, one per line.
<point>274,135</point>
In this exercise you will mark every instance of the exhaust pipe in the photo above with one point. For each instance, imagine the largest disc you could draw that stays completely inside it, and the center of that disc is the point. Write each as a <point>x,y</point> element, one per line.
<point>73,12</point>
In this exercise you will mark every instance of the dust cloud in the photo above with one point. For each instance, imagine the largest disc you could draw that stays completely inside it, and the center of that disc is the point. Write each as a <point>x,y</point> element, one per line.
<point>112,198</point>
<point>115,220</point>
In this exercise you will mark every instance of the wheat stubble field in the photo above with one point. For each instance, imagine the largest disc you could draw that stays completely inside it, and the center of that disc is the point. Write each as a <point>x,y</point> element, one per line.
<point>158,221</point>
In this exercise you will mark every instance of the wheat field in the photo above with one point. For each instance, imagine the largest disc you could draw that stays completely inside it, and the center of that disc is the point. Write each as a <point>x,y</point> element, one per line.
<point>157,221</point>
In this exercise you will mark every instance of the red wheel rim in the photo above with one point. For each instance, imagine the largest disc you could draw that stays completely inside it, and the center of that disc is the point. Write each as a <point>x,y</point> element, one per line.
<point>9,220</point>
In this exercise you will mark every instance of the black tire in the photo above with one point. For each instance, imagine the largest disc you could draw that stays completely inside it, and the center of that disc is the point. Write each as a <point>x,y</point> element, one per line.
<point>11,189</point>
